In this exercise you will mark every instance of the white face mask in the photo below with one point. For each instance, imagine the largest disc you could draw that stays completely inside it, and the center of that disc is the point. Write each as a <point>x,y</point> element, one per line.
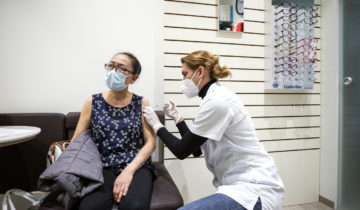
<point>188,87</point>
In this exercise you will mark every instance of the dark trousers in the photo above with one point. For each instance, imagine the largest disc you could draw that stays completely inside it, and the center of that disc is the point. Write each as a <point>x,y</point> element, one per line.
<point>138,196</point>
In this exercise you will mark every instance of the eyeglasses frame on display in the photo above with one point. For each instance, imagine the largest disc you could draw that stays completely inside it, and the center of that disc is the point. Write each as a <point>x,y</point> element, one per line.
<point>289,72</point>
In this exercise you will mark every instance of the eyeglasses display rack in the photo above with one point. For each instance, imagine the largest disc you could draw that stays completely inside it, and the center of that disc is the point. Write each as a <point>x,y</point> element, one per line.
<point>290,45</point>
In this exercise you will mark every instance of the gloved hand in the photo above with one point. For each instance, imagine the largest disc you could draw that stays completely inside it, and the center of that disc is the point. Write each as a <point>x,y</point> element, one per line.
<point>152,119</point>
<point>171,111</point>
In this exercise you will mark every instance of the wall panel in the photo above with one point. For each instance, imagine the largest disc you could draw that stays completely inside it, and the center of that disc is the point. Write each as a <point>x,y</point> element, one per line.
<point>264,111</point>
<point>287,122</point>
<point>231,61</point>
<point>253,99</point>
<point>174,73</point>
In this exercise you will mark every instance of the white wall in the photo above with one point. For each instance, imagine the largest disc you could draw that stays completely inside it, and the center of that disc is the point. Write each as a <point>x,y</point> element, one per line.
<point>52,52</point>
<point>329,99</point>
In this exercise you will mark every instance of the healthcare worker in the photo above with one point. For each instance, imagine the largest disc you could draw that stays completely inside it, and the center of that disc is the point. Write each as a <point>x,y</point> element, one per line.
<point>245,175</point>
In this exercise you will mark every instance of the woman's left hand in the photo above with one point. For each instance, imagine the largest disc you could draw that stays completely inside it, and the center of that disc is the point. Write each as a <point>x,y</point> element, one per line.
<point>121,185</point>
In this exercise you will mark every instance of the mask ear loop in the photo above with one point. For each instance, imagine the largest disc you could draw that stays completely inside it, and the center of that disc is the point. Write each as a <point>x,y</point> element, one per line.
<point>193,75</point>
<point>199,80</point>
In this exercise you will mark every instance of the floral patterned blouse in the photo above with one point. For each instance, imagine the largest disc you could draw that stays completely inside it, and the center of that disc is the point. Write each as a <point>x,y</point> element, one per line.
<point>118,132</point>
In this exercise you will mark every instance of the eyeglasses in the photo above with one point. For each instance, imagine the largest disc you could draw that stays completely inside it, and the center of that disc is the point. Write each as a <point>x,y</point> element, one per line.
<point>288,26</point>
<point>287,39</point>
<point>285,32</point>
<point>287,66</point>
<point>286,45</point>
<point>286,59</point>
<point>305,41</point>
<point>308,14</point>
<point>306,60</point>
<point>308,20</point>
<point>118,68</point>
<point>286,4</point>
<point>306,54</point>
<point>311,9</point>
<point>306,31</point>
<point>286,11</point>
<point>306,47</point>
<point>287,18</point>
<point>284,51</point>
<point>286,72</point>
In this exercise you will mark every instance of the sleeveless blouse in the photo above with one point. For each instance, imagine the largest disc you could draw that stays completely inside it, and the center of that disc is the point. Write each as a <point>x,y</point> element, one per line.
<point>118,132</point>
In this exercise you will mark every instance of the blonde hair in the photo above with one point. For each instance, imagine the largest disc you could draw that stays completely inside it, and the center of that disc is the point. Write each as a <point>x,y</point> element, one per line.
<point>207,60</point>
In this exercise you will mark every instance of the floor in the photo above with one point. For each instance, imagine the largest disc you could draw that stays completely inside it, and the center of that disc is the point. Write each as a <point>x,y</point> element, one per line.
<point>309,206</point>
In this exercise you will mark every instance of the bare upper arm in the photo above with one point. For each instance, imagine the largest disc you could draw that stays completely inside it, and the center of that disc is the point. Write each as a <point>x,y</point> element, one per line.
<point>148,132</point>
<point>145,103</point>
<point>85,118</point>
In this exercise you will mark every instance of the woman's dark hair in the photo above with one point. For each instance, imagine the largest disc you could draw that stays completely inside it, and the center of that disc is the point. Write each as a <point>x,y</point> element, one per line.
<point>134,61</point>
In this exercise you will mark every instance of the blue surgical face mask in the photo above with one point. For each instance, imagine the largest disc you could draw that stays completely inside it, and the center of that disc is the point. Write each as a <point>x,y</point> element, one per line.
<point>115,80</point>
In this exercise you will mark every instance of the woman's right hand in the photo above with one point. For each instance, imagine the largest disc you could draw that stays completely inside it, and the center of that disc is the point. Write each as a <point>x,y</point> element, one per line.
<point>121,184</point>
<point>171,111</point>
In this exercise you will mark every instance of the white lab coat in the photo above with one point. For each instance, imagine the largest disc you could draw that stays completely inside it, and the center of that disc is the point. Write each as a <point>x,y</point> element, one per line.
<point>242,168</point>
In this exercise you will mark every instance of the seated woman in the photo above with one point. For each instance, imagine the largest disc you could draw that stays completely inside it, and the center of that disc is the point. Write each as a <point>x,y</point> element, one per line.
<point>124,139</point>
